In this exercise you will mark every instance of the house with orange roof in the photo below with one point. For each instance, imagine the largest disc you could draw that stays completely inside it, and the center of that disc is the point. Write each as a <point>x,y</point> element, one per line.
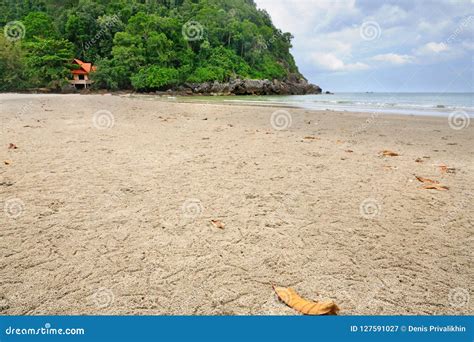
<point>80,74</point>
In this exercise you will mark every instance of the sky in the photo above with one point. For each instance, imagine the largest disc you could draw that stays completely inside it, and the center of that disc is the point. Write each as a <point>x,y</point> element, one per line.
<point>380,45</point>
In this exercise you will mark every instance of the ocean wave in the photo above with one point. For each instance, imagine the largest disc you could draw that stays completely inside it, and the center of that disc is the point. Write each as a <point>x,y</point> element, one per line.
<point>396,105</point>
<point>406,104</point>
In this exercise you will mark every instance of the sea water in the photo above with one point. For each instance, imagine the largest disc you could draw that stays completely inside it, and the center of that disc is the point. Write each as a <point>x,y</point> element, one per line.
<point>440,104</point>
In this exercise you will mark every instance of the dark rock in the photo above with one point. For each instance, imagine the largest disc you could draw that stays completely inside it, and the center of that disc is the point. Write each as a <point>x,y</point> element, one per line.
<point>293,85</point>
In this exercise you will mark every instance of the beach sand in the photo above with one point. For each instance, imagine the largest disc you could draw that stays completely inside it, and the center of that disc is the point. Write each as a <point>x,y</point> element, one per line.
<point>115,219</point>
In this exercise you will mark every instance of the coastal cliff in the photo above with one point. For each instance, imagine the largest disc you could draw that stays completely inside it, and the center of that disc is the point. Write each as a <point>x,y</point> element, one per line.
<point>250,87</point>
<point>191,47</point>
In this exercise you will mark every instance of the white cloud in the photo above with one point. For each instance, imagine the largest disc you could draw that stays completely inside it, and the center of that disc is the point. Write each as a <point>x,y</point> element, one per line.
<point>468,45</point>
<point>393,58</point>
<point>391,14</point>
<point>328,37</point>
<point>432,48</point>
<point>308,16</point>
<point>433,51</point>
<point>330,62</point>
<point>430,28</point>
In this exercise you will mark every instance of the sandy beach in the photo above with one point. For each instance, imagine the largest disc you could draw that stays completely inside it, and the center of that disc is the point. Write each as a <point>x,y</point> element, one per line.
<point>107,204</point>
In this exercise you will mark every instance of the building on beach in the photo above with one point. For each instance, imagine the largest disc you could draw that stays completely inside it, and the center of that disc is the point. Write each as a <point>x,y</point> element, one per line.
<point>80,74</point>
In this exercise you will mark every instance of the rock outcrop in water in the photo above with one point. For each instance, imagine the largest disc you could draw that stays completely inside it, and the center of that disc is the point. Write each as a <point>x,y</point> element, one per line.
<point>290,86</point>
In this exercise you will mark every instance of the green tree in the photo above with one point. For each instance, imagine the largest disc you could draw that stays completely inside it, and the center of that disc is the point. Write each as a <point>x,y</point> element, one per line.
<point>39,25</point>
<point>48,62</point>
<point>11,65</point>
<point>155,78</point>
<point>82,26</point>
<point>135,43</point>
<point>107,76</point>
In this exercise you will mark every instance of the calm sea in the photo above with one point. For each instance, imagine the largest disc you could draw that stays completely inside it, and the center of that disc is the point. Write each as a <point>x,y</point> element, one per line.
<point>441,104</point>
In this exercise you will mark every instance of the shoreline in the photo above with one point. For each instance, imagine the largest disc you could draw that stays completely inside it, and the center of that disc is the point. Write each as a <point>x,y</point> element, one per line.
<point>332,110</point>
<point>218,100</point>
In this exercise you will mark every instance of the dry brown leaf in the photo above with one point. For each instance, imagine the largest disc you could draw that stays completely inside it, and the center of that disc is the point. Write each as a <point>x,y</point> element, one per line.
<point>388,153</point>
<point>445,169</point>
<point>434,187</point>
<point>7,162</point>
<point>12,146</point>
<point>426,180</point>
<point>294,301</point>
<point>218,224</point>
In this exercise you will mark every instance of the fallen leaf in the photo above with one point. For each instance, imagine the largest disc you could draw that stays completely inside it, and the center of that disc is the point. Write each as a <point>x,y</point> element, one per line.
<point>310,137</point>
<point>445,169</point>
<point>12,146</point>
<point>7,162</point>
<point>426,180</point>
<point>218,224</point>
<point>388,153</point>
<point>294,301</point>
<point>434,187</point>
<point>348,151</point>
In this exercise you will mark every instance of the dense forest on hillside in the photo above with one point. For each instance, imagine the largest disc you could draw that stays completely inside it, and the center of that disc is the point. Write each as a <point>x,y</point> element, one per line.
<point>140,44</point>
